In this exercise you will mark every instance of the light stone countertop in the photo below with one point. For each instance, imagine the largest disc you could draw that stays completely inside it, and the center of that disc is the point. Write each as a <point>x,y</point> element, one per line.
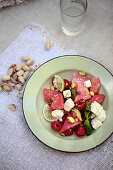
<point>96,42</point>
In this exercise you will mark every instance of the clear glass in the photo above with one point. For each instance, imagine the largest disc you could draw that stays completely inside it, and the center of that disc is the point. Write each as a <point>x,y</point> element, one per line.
<point>73,13</point>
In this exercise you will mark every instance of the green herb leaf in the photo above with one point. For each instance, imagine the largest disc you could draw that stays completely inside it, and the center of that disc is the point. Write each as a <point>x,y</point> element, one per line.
<point>73,93</point>
<point>88,107</point>
<point>87,127</point>
<point>89,116</point>
<point>87,110</point>
<point>86,113</point>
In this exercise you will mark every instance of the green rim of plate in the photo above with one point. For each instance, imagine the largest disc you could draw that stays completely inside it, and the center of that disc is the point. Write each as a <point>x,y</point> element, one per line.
<point>34,119</point>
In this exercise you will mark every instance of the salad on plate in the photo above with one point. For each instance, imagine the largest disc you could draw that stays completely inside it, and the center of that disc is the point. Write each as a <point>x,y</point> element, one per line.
<point>74,106</point>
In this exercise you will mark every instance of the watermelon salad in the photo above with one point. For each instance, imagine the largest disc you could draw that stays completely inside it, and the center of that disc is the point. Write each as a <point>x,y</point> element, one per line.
<point>74,106</point>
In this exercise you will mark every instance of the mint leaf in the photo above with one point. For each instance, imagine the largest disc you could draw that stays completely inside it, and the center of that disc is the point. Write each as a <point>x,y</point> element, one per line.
<point>88,107</point>
<point>89,116</point>
<point>87,127</point>
<point>87,112</point>
<point>72,93</point>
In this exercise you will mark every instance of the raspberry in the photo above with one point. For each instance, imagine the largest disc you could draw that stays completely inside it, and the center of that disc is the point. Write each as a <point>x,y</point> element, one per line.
<point>80,131</point>
<point>66,84</point>
<point>68,132</point>
<point>56,125</point>
<point>80,105</point>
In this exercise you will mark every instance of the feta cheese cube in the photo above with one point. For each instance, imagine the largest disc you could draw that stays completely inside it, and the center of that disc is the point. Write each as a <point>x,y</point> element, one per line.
<point>68,105</point>
<point>93,115</point>
<point>96,123</point>
<point>87,83</point>
<point>102,116</point>
<point>57,114</point>
<point>96,108</point>
<point>66,93</point>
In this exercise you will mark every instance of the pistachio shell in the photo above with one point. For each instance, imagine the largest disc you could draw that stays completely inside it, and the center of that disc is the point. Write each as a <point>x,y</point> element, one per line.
<point>26,75</point>
<point>7,87</point>
<point>18,86</point>
<point>1,89</point>
<point>5,78</point>
<point>20,73</point>
<point>14,81</point>
<point>10,71</point>
<point>25,58</point>
<point>30,62</point>
<point>12,107</point>
<point>14,76</point>
<point>20,94</point>
<point>13,65</point>
<point>48,45</point>
<point>26,68</point>
<point>33,68</point>
<point>21,79</point>
<point>18,67</point>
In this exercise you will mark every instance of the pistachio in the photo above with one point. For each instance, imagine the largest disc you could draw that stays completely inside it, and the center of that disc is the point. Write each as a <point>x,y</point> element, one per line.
<point>5,78</point>
<point>30,62</point>
<point>12,107</point>
<point>82,73</point>
<point>20,73</point>
<point>21,79</point>
<point>7,87</point>
<point>1,89</point>
<point>73,85</point>
<point>25,58</point>
<point>52,88</point>
<point>10,71</point>
<point>14,76</point>
<point>92,93</point>
<point>33,68</point>
<point>18,67</point>
<point>26,75</point>
<point>14,81</point>
<point>13,65</point>
<point>26,68</point>
<point>48,45</point>
<point>20,94</point>
<point>18,86</point>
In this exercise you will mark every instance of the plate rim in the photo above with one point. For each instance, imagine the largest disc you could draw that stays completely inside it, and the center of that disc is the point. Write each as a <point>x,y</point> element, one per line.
<point>24,93</point>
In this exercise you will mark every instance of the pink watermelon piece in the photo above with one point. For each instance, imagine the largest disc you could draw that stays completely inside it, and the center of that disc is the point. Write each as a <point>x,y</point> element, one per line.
<point>50,95</point>
<point>95,85</point>
<point>98,98</point>
<point>68,125</point>
<point>58,102</point>
<point>78,79</point>
<point>82,93</point>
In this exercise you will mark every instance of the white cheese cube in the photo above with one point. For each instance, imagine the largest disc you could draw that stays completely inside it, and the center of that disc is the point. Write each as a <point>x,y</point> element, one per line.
<point>57,114</point>
<point>102,116</point>
<point>93,115</point>
<point>87,83</point>
<point>96,108</point>
<point>68,105</point>
<point>96,123</point>
<point>66,93</point>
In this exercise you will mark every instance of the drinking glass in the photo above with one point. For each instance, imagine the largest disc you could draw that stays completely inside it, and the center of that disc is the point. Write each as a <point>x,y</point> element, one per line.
<point>73,13</point>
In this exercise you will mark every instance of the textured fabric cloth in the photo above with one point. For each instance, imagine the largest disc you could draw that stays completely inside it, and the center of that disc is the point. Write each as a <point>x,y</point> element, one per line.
<point>19,148</point>
<point>4,3</point>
